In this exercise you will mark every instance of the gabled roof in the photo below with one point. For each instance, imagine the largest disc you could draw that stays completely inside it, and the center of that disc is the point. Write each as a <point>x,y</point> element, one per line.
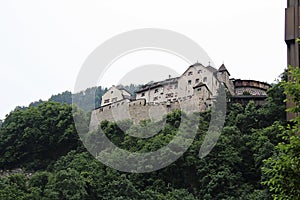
<point>201,84</point>
<point>223,69</point>
<point>157,84</point>
<point>122,88</point>
<point>127,97</point>
<point>193,65</point>
<point>211,69</point>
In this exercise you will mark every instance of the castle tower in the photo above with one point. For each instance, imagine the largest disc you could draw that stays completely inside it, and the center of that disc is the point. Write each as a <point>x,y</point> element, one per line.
<point>292,32</point>
<point>223,76</point>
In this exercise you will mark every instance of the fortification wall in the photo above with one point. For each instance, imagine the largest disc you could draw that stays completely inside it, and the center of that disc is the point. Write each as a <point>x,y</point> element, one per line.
<point>140,110</point>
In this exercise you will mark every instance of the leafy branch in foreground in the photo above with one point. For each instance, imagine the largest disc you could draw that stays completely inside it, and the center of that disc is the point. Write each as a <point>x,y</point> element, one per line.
<point>283,169</point>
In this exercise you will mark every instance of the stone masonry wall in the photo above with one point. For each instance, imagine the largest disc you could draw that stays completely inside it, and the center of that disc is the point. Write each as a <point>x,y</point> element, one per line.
<point>140,110</point>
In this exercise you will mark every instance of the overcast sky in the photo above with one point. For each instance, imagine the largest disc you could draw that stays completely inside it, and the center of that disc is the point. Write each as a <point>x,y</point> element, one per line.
<point>43,44</point>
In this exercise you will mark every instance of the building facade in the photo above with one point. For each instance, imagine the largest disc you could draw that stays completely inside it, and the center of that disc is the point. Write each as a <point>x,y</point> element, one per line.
<point>249,90</point>
<point>194,91</point>
<point>187,85</point>
<point>115,94</point>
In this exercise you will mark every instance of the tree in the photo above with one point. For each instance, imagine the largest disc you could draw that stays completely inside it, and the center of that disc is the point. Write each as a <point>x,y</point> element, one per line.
<point>66,184</point>
<point>13,187</point>
<point>34,137</point>
<point>283,168</point>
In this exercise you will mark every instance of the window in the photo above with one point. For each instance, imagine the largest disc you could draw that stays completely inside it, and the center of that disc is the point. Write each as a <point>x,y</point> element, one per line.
<point>189,82</point>
<point>199,89</point>
<point>111,91</point>
<point>143,94</point>
<point>169,95</point>
<point>199,71</point>
<point>197,80</point>
<point>106,101</point>
<point>156,91</point>
<point>155,98</point>
<point>190,73</point>
<point>114,99</point>
<point>204,79</point>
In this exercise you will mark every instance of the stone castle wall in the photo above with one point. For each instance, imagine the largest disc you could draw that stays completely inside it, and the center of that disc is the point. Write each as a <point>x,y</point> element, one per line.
<point>138,110</point>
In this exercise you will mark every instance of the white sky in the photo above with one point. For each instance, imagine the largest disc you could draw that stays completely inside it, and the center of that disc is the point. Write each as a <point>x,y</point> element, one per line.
<point>44,43</point>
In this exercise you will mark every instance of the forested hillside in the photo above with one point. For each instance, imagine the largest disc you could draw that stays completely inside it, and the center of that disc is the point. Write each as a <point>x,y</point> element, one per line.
<point>83,98</point>
<point>42,141</point>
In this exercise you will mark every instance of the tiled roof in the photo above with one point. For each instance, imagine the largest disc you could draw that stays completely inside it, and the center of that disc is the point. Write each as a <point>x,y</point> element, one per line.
<point>157,84</point>
<point>223,68</point>
<point>199,85</point>
<point>210,68</point>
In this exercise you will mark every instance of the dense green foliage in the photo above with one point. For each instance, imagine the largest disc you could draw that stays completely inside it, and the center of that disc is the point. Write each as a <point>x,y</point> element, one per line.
<point>86,100</point>
<point>34,137</point>
<point>42,140</point>
<point>83,98</point>
<point>283,168</point>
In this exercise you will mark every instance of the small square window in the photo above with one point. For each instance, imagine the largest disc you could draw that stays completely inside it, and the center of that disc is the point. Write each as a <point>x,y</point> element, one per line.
<point>190,73</point>
<point>197,80</point>
<point>189,82</point>
<point>156,91</point>
<point>106,101</point>
<point>143,94</point>
<point>204,79</point>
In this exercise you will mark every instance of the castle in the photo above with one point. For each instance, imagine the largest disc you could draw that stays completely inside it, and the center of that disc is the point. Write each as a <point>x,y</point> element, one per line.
<point>193,91</point>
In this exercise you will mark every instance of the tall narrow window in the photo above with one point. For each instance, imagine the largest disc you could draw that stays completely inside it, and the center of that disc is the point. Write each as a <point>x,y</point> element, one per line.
<point>205,79</point>
<point>189,82</point>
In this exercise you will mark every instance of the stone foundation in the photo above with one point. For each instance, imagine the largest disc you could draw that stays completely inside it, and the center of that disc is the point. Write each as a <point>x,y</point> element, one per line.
<point>138,110</point>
